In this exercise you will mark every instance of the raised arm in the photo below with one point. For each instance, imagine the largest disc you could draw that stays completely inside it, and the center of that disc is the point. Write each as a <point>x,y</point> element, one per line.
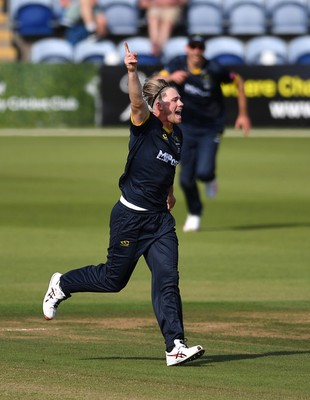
<point>139,108</point>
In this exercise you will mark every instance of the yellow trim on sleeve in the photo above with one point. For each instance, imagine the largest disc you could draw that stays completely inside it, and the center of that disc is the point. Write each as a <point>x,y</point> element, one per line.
<point>164,73</point>
<point>141,123</point>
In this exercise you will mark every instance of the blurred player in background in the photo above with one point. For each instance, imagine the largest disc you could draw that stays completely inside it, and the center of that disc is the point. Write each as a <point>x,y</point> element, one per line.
<point>203,120</point>
<point>141,222</point>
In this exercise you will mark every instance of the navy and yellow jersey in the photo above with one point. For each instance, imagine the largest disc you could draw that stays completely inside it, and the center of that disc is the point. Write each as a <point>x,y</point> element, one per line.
<point>150,168</point>
<point>201,92</point>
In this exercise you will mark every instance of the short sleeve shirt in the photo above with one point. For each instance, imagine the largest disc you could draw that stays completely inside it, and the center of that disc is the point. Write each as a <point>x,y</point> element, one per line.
<point>151,164</point>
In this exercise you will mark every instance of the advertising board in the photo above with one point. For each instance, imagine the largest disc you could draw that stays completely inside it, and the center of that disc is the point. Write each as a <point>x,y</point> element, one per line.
<point>277,95</point>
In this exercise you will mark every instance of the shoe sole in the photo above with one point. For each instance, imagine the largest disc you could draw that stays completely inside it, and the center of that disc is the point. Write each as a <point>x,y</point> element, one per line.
<point>199,354</point>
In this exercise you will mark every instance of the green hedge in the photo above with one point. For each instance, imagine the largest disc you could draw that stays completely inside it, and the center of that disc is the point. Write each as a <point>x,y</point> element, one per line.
<point>48,95</point>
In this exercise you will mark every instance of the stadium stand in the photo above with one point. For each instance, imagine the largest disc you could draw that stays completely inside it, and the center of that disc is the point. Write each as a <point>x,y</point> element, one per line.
<point>8,52</point>
<point>245,17</point>
<point>226,50</point>
<point>299,50</point>
<point>205,17</point>
<point>122,16</point>
<point>51,51</point>
<point>143,46</point>
<point>33,17</point>
<point>93,52</point>
<point>288,17</point>
<point>225,22</point>
<point>175,46</point>
<point>266,50</point>
<point>31,20</point>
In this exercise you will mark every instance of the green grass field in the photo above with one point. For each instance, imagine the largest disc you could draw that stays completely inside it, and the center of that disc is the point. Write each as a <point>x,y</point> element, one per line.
<point>245,277</point>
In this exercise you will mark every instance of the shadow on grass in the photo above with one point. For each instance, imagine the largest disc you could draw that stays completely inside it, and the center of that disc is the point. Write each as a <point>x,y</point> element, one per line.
<point>207,360</point>
<point>259,226</point>
<point>237,357</point>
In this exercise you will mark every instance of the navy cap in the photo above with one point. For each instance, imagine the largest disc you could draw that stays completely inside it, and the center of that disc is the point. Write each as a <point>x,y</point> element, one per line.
<point>196,39</point>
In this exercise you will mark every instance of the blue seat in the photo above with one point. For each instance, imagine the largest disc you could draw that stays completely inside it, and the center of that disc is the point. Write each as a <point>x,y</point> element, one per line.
<point>204,17</point>
<point>288,17</point>
<point>141,45</point>
<point>266,50</point>
<point>175,46</point>
<point>245,17</point>
<point>51,51</point>
<point>122,16</point>
<point>33,17</point>
<point>299,50</point>
<point>88,51</point>
<point>226,50</point>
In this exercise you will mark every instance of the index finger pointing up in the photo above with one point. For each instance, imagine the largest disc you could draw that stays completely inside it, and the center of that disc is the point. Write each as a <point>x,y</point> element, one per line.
<point>126,47</point>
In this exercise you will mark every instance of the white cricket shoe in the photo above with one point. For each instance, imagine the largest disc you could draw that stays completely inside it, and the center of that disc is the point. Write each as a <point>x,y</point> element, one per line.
<point>182,354</point>
<point>211,189</point>
<point>192,223</point>
<point>53,297</point>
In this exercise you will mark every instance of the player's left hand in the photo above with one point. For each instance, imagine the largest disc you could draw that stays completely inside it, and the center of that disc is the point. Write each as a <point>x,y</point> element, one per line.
<point>243,122</point>
<point>171,200</point>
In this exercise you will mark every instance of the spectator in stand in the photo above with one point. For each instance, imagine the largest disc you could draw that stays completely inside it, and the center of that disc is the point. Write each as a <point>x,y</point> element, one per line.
<point>162,16</point>
<point>82,19</point>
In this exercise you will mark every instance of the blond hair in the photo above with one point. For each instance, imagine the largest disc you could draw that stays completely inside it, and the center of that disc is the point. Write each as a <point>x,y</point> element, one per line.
<point>154,88</point>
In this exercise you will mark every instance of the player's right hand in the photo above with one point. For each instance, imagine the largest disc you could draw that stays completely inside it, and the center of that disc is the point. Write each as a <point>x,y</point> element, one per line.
<point>179,76</point>
<point>130,59</point>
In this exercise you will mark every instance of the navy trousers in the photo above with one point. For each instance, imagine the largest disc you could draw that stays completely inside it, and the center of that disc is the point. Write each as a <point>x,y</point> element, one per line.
<point>198,163</point>
<point>134,234</point>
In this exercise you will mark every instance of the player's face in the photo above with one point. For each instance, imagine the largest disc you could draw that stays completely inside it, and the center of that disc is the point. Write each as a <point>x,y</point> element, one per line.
<point>195,51</point>
<point>172,106</point>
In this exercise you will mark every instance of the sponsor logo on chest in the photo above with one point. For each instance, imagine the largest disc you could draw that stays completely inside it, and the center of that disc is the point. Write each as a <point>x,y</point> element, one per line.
<point>167,158</point>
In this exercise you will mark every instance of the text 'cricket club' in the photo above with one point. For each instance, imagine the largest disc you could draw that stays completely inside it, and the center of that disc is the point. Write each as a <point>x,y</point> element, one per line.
<point>167,158</point>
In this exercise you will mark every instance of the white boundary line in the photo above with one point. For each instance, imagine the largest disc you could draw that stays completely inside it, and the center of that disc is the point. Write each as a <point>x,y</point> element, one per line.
<point>124,132</point>
<point>25,329</point>
<point>61,132</point>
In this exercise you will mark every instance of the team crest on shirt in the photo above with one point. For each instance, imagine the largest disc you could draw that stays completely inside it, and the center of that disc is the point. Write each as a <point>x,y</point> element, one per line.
<point>176,141</point>
<point>124,243</point>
